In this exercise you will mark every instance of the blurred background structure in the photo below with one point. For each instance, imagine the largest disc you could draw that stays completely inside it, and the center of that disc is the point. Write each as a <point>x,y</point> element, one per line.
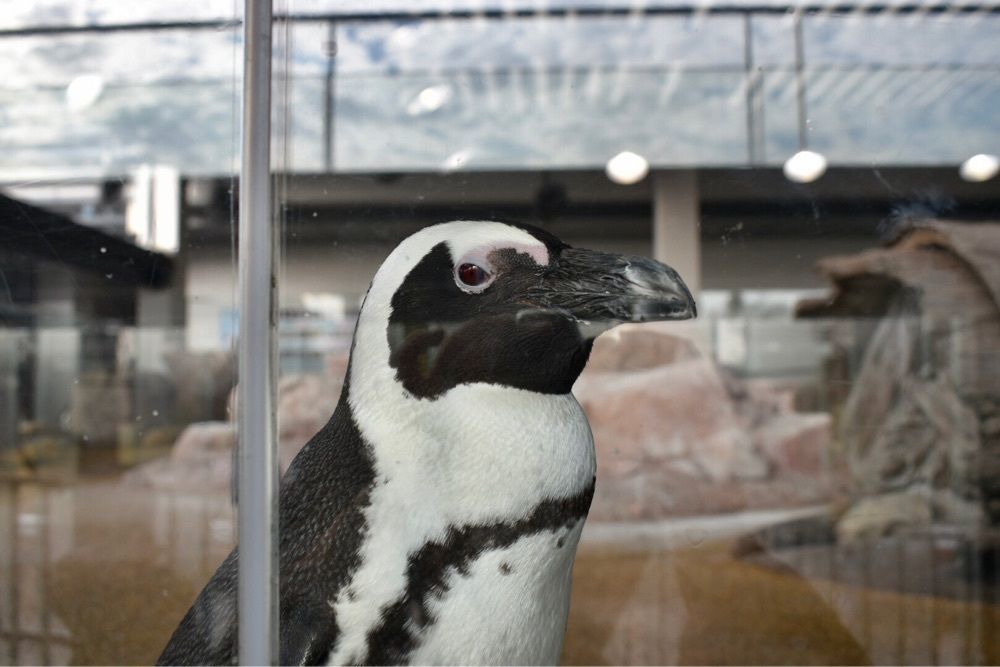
<point>810,472</point>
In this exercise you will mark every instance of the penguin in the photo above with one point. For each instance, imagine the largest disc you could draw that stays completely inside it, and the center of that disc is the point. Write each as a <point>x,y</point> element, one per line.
<point>435,518</point>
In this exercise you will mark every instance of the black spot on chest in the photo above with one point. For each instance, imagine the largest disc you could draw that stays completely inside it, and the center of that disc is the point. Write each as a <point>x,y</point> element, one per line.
<point>440,336</point>
<point>396,636</point>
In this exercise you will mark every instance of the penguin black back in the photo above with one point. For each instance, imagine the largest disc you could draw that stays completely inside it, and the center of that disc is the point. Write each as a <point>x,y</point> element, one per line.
<point>321,531</point>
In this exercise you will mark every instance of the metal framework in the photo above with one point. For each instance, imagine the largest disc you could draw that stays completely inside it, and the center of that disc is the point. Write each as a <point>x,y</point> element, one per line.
<point>593,11</point>
<point>258,469</point>
<point>805,83</point>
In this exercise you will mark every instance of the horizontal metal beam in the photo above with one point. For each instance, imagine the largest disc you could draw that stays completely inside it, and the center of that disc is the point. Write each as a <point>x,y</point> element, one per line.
<point>529,13</point>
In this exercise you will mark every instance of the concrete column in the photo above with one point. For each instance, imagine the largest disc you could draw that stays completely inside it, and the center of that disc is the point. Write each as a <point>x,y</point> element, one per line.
<point>161,313</point>
<point>57,367</point>
<point>9,412</point>
<point>677,224</point>
<point>56,342</point>
<point>160,320</point>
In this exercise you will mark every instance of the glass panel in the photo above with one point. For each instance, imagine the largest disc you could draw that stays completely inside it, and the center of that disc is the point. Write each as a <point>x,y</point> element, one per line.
<point>615,41</point>
<point>507,119</point>
<point>916,39</point>
<point>42,14</point>
<point>455,94</point>
<point>96,105</point>
<point>859,105</point>
<point>116,364</point>
<point>873,82</point>
<point>802,474</point>
<point>806,473</point>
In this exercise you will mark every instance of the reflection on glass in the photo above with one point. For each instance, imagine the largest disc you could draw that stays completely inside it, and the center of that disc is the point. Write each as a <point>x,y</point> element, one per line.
<point>807,472</point>
<point>627,168</point>
<point>115,374</point>
<point>804,167</point>
<point>980,167</point>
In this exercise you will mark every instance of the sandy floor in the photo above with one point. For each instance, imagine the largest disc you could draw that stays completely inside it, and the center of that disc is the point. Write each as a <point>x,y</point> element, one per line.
<point>100,573</point>
<point>700,606</point>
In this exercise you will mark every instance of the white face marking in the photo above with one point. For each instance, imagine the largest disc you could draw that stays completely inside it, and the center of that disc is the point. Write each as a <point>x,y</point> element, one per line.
<point>481,257</point>
<point>479,453</point>
<point>466,240</point>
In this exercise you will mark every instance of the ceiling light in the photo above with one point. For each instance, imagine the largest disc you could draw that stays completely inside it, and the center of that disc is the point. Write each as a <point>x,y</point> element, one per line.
<point>805,167</point>
<point>83,91</point>
<point>428,100</point>
<point>627,168</point>
<point>456,160</point>
<point>403,38</point>
<point>979,168</point>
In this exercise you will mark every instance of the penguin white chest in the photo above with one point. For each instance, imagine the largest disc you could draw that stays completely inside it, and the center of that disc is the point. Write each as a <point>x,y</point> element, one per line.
<point>472,529</point>
<point>509,606</point>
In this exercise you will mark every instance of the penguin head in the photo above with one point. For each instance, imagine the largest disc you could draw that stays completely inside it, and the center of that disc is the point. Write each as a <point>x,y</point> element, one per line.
<point>469,301</point>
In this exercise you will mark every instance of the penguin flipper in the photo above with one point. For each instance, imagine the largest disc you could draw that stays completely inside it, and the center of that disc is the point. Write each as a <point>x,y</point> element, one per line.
<point>323,496</point>
<point>307,634</point>
<point>207,634</point>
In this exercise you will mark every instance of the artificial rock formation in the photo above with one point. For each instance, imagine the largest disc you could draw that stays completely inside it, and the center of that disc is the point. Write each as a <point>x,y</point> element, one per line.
<point>920,424</point>
<point>675,435</point>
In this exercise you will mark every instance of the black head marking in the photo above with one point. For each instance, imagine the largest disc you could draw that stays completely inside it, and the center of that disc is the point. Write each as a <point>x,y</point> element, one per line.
<point>527,320</point>
<point>552,243</point>
<point>441,336</point>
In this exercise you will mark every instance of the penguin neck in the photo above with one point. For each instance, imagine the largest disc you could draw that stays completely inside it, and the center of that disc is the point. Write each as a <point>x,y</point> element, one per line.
<point>484,449</point>
<point>541,353</point>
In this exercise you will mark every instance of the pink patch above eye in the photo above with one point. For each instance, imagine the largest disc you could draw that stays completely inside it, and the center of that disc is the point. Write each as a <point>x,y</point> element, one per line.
<point>539,253</point>
<point>472,275</point>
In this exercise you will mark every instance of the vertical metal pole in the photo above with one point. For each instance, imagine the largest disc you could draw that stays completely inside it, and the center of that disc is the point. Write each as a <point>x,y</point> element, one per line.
<point>800,82</point>
<point>14,593</point>
<point>258,475</point>
<point>329,96</point>
<point>755,95</point>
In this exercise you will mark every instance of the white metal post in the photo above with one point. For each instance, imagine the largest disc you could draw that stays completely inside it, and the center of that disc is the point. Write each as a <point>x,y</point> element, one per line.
<point>258,472</point>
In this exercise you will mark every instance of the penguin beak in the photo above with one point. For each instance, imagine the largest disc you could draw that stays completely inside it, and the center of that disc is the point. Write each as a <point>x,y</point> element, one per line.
<point>599,287</point>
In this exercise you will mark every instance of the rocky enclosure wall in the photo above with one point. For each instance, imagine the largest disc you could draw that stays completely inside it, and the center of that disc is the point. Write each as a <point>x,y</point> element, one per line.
<point>674,434</point>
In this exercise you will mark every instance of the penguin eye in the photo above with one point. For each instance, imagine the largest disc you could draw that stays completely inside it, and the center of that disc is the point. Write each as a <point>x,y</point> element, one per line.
<point>472,275</point>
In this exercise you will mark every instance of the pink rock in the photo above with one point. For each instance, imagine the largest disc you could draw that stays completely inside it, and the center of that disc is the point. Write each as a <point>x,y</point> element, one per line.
<point>645,418</point>
<point>796,443</point>
<point>336,367</point>
<point>201,461</point>
<point>677,436</point>
<point>630,348</point>
<point>203,442</point>
<point>305,404</point>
